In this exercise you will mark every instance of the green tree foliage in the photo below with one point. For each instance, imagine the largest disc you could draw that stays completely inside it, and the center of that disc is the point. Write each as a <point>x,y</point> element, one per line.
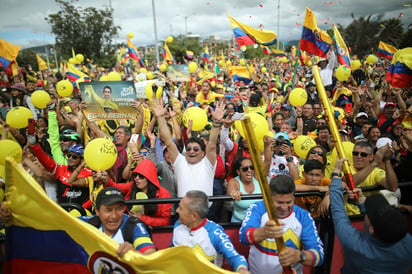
<point>89,31</point>
<point>27,57</point>
<point>406,40</point>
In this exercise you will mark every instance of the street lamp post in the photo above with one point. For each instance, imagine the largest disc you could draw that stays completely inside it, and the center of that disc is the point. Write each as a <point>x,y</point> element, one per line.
<point>155,32</point>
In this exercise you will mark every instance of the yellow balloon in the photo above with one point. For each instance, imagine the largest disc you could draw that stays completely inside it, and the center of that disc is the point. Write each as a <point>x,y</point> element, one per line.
<point>302,145</point>
<point>159,92</point>
<point>343,73</point>
<point>40,99</point>
<point>143,70</point>
<point>17,117</point>
<point>9,148</point>
<point>192,67</point>
<point>264,70</point>
<point>371,59</point>
<point>259,125</point>
<point>241,62</point>
<point>163,67</point>
<point>220,63</point>
<point>64,88</point>
<point>197,115</point>
<point>309,63</point>
<point>169,39</point>
<point>213,84</point>
<point>149,91</point>
<point>100,154</point>
<point>114,76</point>
<point>284,59</point>
<point>228,63</point>
<point>149,75</point>
<point>79,58</point>
<point>104,78</point>
<point>355,64</point>
<point>130,35</point>
<point>298,97</point>
<point>72,61</point>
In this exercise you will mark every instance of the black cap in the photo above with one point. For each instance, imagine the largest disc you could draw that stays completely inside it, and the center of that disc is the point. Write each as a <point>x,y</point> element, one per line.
<point>389,225</point>
<point>109,196</point>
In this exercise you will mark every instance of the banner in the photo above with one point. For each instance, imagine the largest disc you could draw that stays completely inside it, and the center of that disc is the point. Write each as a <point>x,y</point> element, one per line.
<point>178,73</point>
<point>44,238</point>
<point>109,100</point>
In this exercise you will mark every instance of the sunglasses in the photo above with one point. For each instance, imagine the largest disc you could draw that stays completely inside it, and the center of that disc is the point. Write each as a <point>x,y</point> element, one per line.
<point>73,156</point>
<point>363,154</point>
<point>246,168</point>
<point>143,153</point>
<point>65,139</point>
<point>195,149</point>
<point>230,108</point>
<point>317,152</point>
<point>138,175</point>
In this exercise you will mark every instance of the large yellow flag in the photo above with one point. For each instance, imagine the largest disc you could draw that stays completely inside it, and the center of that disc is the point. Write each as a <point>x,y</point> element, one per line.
<point>41,63</point>
<point>44,238</point>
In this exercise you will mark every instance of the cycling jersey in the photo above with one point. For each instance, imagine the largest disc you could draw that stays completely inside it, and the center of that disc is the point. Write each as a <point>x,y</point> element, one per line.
<point>299,228</point>
<point>211,240</point>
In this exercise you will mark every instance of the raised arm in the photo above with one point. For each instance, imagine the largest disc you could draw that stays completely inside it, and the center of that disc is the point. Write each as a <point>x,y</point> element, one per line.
<point>217,116</point>
<point>165,134</point>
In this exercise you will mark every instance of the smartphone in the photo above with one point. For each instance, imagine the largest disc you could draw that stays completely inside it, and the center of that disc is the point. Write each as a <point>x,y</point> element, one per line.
<point>348,108</point>
<point>134,138</point>
<point>31,127</point>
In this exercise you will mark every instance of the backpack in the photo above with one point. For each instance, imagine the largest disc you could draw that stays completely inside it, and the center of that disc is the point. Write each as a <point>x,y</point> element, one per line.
<point>128,229</point>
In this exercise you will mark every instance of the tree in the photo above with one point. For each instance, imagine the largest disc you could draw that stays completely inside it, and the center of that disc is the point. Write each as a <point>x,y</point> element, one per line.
<point>27,57</point>
<point>89,31</point>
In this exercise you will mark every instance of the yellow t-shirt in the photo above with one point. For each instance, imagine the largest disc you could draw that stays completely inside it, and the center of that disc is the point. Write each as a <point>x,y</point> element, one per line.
<point>373,179</point>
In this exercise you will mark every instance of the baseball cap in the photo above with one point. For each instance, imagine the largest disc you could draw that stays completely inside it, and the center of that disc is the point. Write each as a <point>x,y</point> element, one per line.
<point>364,114</point>
<point>383,141</point>
<point>283,135</point>
<point>381,215</point>
<point>285,106</point>
<point>109,196</point>
<point>389,104</point>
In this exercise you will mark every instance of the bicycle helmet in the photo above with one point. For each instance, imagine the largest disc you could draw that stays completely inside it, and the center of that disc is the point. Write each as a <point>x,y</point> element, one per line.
<point>70,135</point>
<point>77,148</point>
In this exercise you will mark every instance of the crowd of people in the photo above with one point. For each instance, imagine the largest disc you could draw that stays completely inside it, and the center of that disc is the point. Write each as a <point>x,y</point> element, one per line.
<point>161,156</point>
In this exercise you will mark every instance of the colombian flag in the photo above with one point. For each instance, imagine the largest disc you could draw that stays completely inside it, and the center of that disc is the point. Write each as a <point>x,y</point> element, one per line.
<point>8,53</point>
<point>266,50</point>
<point>386,50</point>
<point>399,73</point>
<point>133,53</point>
<point>246,35</point>
<point>44,238</point>
<point>189,54</point>
<point>167,55</point>
<point>278,53</point>
<point>206,55</point>
<point>342,50</point>
<point>76,76</point>
<point>241,73</point>
<point>314,40</point>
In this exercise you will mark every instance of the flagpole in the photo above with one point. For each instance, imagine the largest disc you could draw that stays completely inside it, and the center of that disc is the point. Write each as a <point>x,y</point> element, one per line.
<point>155,33</point>
<point>278,23</point>
<point>296,68</point>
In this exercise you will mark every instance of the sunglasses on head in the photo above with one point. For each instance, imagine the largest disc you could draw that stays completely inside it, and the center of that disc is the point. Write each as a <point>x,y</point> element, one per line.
<point>195,149</point>
<point>138,175</point>
<point>363,154</point>
<point>246,168</point>
<point>317,152</point>
<point>73,156</point>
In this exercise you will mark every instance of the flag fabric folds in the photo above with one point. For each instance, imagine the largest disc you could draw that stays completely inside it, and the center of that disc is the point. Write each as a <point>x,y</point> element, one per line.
<point>8,53</point>
<point>44,238</point>
<point>167,55</point>
<point>246,35</point>
<point>133,53</point>
<point>189,54</point>
<point>278,53</point>
<point>266,50</point>
<point>206,55</point>
<point>399,73</point>
<point>314,40</point>
<point>240,73</point>
<point>41,63</point>
<point>386,50</point>
<point>341,48</point>
<point>76,76</point>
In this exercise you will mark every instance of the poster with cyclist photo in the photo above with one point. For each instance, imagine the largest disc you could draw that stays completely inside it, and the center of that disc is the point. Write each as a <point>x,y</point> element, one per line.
<point>109,100</point>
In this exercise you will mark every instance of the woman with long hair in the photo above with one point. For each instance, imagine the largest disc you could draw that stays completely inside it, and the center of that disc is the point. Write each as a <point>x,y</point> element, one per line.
<point>244,183</point>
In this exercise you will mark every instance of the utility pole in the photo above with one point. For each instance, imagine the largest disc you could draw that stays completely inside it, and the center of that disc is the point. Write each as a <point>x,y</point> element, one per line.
<point>155,32</point>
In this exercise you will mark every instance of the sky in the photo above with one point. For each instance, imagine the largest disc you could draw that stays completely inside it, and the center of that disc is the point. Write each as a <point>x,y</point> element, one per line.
<point>23,20</point>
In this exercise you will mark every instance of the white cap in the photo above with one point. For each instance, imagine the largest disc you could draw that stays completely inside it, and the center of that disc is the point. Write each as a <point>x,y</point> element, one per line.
<point>362,114</point>
<point>383,141</point>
